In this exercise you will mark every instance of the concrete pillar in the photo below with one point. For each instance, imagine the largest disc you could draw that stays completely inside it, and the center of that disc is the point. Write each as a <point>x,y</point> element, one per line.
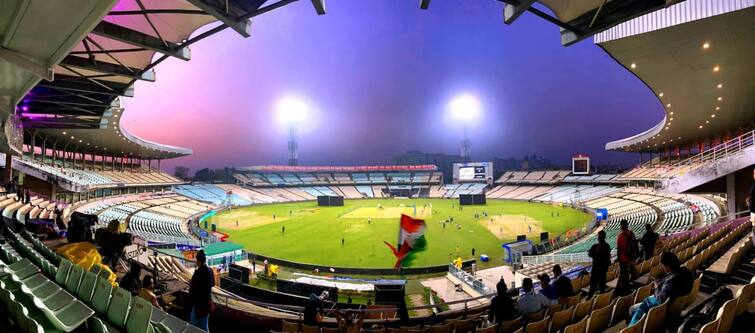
<point>8,174</point>
<point>731,193</point>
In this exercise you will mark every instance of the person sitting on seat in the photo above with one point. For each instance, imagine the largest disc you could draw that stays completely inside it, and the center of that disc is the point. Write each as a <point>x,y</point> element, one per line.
<point>546,288</point>
<point>676,282</point>
<point>147,291</point>
<point>562,283</point>
<point>501,306</point>
<point>530,301</point>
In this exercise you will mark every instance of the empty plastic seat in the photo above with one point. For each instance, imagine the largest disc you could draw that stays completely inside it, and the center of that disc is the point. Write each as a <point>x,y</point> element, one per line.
<point>74,279</point>
<point>86,289</point>
<point>117,311</point>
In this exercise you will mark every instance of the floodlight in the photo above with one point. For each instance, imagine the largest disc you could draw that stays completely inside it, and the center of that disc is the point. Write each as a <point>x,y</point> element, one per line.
<point>465,108</point>
<point>292,110</point>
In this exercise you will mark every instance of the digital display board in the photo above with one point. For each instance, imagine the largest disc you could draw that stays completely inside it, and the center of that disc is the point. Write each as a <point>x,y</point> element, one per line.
<point>473,172</point>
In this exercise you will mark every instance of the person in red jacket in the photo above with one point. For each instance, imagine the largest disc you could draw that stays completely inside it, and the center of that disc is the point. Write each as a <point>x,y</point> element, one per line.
<point>627,250</point>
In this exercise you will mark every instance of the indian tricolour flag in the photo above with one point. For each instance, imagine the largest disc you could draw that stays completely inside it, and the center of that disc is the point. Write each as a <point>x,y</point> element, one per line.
<point>411,240</point>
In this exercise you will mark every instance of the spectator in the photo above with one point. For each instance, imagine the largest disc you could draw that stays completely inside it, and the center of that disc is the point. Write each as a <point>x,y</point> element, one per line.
<point>562,283</point>
<point>200,290</point>
<point>130,281</point>
<point>546,288</point>
<point>147,291</point>
<point>601,259</point>
<point>677,282</point>
<point>626,246</point>
<point>501,306</point>
<point>349,322</point>
<point>530,301</point>
<point>312,312</point>
<point>403,313</point>
<point>648,241</point>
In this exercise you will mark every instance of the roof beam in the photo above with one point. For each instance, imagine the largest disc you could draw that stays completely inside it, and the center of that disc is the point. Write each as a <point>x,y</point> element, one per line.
<point>136,38</point>
<point>320,6</point>
<point>512,12</point>
<point>240,26</point>
<point>424,4</point>
<point>27,63</point>
<point>73,84</point>
<point>108,68</point>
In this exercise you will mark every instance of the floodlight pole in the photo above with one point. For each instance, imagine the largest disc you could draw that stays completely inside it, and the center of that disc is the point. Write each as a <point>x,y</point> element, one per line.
<point>293,146</point>
<point>466,149</point>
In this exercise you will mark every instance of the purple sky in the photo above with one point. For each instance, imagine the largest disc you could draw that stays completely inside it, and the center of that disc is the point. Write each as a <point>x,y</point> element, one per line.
<point>380,75</point>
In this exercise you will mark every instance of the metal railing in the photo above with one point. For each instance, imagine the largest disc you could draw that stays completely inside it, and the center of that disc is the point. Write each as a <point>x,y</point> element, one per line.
<point>469,280</point>
<point>714,153</point>
<point>560,258</point>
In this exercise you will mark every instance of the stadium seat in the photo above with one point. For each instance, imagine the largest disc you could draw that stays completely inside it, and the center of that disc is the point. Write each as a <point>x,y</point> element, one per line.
<point>636,328</point>
<point>642,293</point>
<point>86,289</point>
<point>74,279</point>
<point>495,329</point>
<point>62,274</point>
<point>102,293</point>
<point>538,326</point>
<point>578,327</point>
<point>117,312</point>
<point>561,319</point>
<point>603,300</point>
<point>711,327</point>
<point>139,316</point>
<point>289,326</point>
<point>726,315</point>
<point>582,310</point>
<point>465,325</point>
<point>655,319</point>
<point>599,320</point>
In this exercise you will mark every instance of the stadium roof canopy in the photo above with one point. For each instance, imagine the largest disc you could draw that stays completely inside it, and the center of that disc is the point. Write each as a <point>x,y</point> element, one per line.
<point>83,97</point>
<point>697,57</point>
<point>35,35</point>
<point>580,19</point>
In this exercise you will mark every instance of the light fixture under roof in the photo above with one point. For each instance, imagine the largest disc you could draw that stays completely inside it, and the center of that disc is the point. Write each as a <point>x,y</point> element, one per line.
<point>660,95</point>
<point>719,98</point>
<point>633,65</point>
<point>668,105</point>
<point>713,115</point>
<point>707,122</point>
<point>671,119</point>
<point>720,85</point>
<point>701,126</point>
<point>718,108</point>
<point>671,113</point>
<point>716,69</point>
<point>72,137</point>
<point>64,132</point>
<point>706,45</point>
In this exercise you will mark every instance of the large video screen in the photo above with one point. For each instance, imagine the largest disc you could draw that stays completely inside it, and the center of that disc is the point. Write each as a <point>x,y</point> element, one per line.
<point>473,172</point>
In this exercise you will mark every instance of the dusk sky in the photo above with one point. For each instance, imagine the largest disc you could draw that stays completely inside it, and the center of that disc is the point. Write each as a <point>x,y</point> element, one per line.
<point>380,74</point>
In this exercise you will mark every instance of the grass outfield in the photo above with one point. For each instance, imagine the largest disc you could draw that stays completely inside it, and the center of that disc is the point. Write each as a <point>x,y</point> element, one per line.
<point>313,234</point>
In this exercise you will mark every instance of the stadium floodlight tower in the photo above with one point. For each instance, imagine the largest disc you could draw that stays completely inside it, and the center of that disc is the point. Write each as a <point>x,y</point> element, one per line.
<point>465,111</point>
<point>292,112</point>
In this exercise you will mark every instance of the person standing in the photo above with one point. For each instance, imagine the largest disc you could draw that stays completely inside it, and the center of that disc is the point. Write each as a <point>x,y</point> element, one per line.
<point>200,292</point>
<point>626,247</point>
<point>501,306</point>
<point>601,259</point>
<point>648,241</point>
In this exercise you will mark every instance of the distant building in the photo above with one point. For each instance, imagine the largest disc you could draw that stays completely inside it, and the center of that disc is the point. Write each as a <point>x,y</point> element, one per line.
<point>445,163</point>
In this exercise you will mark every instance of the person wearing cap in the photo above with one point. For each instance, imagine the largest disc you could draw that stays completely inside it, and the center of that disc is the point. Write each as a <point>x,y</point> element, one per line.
<point>200,293</point>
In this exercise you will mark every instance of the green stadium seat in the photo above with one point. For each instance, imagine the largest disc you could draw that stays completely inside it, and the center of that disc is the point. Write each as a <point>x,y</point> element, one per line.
<point>56,301</point>
<point>139,316</point>
<point>62,274</point>
<point>44,290</point>
<point>101,298</point>
<point>74,279</point>
<point>86,289</point>
<point>117,312</point>
<point>22,269</point>
<point>69,318</point>
<point>169,322</point>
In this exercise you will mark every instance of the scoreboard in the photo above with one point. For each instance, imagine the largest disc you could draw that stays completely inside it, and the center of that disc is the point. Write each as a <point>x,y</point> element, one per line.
<point>473,172</point>
<point>580,164</point>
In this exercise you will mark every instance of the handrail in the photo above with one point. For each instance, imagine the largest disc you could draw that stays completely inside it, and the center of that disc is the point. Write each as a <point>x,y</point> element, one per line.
<point>713,153</point>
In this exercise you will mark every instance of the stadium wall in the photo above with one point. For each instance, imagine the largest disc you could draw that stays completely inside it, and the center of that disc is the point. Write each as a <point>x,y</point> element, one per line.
<point>357,271</point>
